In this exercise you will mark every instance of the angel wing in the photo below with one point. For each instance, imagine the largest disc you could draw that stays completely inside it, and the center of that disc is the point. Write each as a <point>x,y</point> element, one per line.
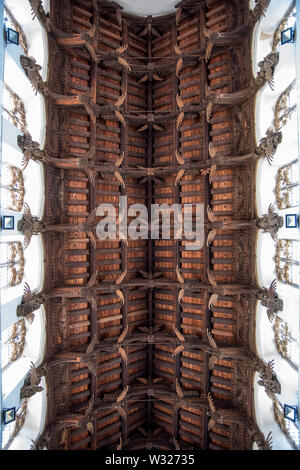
<point>120,118</point>
<point>177,50</point>
<point>34,375</point>
<point>271,209</point>
<point>210,214</point>
<point>119,160</point>
<point>209,111</point>
<point>268,442</point>
<point>180,119</point>
<point>179,276</point>
<point>34,8</point>
<point>211,402</point>
<point>272,292</point>
<point>179,176</point>
<point>211,339</point>
<point>143,128</point>
<point>27,212</point>
<point>122,49</point>
<point>270,370</point>
<point>158,128</point>
<point>274,235</point>
<point>93,280</point>
<point>143,79</point>
<point>89,408</point>
<point>91,346</point>
<point>209,49</point>
<point>91,218</point>
<point>120,445</point>
<point>90,427</point>
<point>121,100</point>
<point>211,424</point>
<point>179,390</point>
<point>120,295</point>
<point>124,63</point>
<point>178,15</point>
<point>122,395</point>
<point>27,238</point>
<point>92,367</point>
<point>179,158</point>
<point>92,238</point>
<point>123,354</point>
<point>123,335</point>
<point>91,175</point>
<point>178,334</point>
<point>180,102</point>
<point>27,294</point>
<point>178,350</point>
<point>212,173</point>
<point>212,362</point>
<point>25,159</point>
<point>180,295</point>
<point>121,277</point>
<point>29,318</point>
<point>211,150</point>
<point>179,66</point>
<point>211,236</point>
<point>157,77</point>
<point>213,299</point>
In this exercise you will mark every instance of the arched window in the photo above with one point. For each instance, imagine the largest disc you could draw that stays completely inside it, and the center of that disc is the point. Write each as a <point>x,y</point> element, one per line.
<point>11,264</point>
<point>289,429</point>
<point>287,186</point>
<point>12,188</point>
<point>286,261</point>
<point>286,342</point>
<point>12,429</point>
<point>288,21</point>
<point>13,342</point>
<point>14,108</point>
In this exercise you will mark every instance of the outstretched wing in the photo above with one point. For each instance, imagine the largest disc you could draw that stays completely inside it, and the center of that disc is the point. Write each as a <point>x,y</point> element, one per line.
<point>122,49</point>
<point>121,277</point>
<point>268,442</point>
<point>270,370</point>
<point>271,209</point>
<point>91,346</point>
<point>211,278</point>
<point>27,239</point>
<point>121,100</point>
<point>34,375</point>
<point>212,173</point>
<point>211,403</point>
<point>211,339</point>
<point>25,159</point>
<point>179,390</point>
<point>122,395</point>
<point>213,299</point>
<point>91,218</point>
<point>211,236</point>
<point>272,289</point>
<point>178,334</point>
<point>119,160</point>
<point>179,158</point>
<point>27,295</point>
<point>179,276</point>
<point>180,102</point>
<point>93,280</point>
<point>210,214</point>
<point>211,424</point>
<point>90,407</point>
<point>211,150</point>
<point>27,212</point>
<point>123,335</point>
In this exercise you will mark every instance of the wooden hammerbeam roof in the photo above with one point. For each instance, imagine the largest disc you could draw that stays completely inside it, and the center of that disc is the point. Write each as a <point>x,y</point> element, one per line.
<point>149,344</point>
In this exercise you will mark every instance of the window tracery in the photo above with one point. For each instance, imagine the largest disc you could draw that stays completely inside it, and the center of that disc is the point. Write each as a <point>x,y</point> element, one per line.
<point>11,264</point>
<point>12,188</point>
<point>14,107</point>
<point>285,341</point>
<point>287,186</point>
